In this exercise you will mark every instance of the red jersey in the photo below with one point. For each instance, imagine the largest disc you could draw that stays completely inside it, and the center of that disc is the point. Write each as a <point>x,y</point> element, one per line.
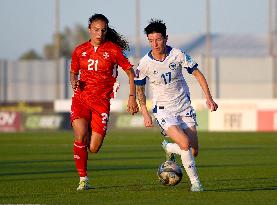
<point>97,67</point>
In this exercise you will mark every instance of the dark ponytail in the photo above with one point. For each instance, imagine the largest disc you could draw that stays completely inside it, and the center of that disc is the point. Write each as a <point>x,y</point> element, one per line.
<point>117,38</point>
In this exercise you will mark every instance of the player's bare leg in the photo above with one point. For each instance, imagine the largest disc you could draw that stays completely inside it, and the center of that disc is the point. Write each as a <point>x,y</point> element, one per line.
<point>182,147</point>
<point>178,136</point>
<point>191,132</point>
<point>96,141</point>
<point>89,135</point>
<point>80,129</point>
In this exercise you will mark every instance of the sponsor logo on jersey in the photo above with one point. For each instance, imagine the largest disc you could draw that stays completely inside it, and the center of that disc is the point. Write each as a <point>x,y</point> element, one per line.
<point>84,54</point>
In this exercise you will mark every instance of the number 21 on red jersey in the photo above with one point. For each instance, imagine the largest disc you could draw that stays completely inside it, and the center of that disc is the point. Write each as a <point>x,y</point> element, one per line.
<point>92,64</point>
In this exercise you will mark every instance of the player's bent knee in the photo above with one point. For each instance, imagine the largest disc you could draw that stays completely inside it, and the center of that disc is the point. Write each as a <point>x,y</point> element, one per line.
<point>80,138</point>
<point>80,135</point>
<point>94,149</point>
<point>184,147</point>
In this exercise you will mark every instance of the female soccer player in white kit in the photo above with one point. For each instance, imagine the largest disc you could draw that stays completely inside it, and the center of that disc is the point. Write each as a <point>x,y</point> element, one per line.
<point>163,67</point>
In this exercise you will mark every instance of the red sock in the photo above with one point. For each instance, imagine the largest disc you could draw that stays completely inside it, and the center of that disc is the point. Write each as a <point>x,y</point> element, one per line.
<point>81,158</point>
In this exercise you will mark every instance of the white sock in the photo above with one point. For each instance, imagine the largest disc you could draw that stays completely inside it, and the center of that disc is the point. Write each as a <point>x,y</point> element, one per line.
<point>84,178</point>
<point>173,148</point>
<point>187,161</point>
<point>189,165</point>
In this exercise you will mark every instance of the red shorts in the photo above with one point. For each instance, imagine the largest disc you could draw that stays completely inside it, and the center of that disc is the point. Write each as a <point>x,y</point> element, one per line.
<point>96,113</point>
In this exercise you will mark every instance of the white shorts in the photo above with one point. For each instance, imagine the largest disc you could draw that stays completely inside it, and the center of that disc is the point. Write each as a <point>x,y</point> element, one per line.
<point>166,118</point>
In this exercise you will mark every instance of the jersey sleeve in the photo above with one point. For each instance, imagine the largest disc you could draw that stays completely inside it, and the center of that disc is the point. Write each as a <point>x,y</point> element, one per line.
<point>188,63</point>
<point>75,65</point>
<point>140,74</point>
<point>122,61</point>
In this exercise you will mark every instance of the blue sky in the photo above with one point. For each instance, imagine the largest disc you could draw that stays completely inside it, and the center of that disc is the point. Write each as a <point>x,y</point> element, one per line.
<point>30,24</point>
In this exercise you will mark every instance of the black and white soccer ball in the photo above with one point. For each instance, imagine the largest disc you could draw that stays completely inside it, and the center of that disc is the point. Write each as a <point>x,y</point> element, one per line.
<point>169,173</point>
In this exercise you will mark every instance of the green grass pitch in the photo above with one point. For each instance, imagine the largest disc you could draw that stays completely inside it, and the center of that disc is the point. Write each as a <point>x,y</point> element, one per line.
<point>38,168</point>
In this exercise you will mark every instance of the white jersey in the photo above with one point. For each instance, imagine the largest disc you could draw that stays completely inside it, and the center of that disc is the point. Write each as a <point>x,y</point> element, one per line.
<point>166,79</point>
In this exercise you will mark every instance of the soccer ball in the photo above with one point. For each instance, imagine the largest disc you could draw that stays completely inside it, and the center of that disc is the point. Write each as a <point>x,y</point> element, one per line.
<point>169,173</point>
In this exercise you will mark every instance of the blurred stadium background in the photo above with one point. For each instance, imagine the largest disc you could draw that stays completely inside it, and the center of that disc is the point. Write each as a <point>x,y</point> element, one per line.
<point>241,70</point>
<point>237,162</point>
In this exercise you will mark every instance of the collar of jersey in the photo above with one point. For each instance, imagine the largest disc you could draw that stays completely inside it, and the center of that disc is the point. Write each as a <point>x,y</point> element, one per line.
<point>101,45</point>
<point>168,49</point>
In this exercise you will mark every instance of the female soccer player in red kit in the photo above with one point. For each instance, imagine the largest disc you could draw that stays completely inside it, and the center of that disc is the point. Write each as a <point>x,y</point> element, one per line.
<point>93,76</point>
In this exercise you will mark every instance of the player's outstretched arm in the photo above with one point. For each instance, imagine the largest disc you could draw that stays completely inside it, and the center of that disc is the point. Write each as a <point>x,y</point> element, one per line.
<point>140,89</point>
<point>204,85</point>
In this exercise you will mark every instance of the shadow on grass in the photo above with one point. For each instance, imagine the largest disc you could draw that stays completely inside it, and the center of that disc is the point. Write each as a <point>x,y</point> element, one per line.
<point>71,160</point>
<point>99,168</point>
<point>272,188</point>
<point>266,184</point>
<point>223,148</point>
